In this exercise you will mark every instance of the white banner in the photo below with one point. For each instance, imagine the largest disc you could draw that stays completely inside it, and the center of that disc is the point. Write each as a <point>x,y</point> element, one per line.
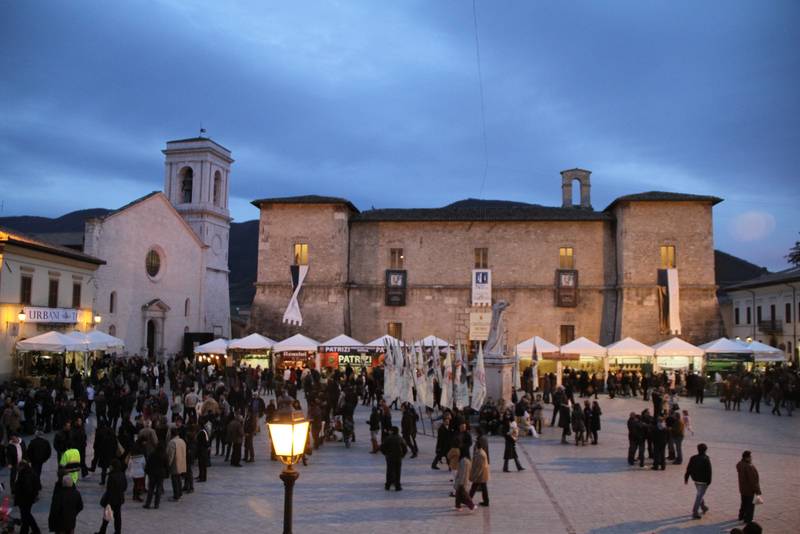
<point>50,315</point>
<point>481,287</point>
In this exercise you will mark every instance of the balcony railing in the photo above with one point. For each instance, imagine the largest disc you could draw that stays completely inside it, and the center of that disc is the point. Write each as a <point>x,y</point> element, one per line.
<point>771,326</point>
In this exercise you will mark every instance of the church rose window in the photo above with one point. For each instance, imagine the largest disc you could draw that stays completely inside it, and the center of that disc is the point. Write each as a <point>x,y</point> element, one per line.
<point>153,263</point>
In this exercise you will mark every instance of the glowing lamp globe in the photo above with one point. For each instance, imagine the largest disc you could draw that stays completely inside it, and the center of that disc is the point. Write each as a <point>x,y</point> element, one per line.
<point>288,431</point>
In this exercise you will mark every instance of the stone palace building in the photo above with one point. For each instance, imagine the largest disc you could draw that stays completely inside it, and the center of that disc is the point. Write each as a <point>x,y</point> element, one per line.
<point>641,267</point>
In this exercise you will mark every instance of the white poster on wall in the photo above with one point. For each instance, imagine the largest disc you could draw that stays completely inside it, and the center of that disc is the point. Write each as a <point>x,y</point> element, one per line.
<point>481,287</point>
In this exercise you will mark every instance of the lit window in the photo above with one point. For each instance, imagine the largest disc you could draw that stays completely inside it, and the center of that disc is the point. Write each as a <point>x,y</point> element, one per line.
<point>481,258</point>
<point>566,258</point>
<point>668,257</point>
<point>396,258</point>
<point>153,263</point>
<point>301,253</point>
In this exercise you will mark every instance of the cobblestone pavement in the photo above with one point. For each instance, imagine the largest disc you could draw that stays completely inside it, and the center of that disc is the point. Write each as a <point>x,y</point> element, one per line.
<point>564,488</point>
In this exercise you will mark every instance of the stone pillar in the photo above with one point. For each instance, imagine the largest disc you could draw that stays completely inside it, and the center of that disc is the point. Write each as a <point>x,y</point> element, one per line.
<point>498,378</point>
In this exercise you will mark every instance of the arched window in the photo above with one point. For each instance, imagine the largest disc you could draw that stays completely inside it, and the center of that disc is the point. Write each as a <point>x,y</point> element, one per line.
<point>112,302</point>
<point>217,189</point>
<point>186,305</point>
<point>112,330</point>
<point>187,179</point>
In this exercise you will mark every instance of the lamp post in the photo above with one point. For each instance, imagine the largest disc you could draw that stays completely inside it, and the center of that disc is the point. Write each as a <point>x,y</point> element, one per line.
<point>21,316</point>
<point>288,431</point>
<point>97,318</point>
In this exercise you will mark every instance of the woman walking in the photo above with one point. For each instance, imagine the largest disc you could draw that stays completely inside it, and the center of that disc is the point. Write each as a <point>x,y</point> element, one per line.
<point>114,496</point>
<point>461,479</point>
<point>578,424</point>
<point>510,453</point>
<point>594,421</point>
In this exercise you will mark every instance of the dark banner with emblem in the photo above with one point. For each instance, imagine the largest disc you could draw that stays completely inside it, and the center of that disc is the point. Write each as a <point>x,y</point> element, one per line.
<point>566,288</point>
<point>396,287</point>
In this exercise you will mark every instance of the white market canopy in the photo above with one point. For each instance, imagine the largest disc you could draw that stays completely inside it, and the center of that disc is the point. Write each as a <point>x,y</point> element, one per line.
<point>97,340</point>
<point>296,343</point>
<point>535,345</point>
<point>629,347</point>
<point>381,342</point>
<point>724,345</point>
<point>252,342</point>
<point>677,347</point>
<point>432,341</point>
<point>218,346</point>
<point>53,342</point>
<point>584,347</point>
<point>764,353</point>
<point>341,341</point>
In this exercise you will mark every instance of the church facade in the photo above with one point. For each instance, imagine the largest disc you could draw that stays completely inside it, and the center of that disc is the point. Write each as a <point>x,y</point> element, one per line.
<point>641,267</point>
<point>166,254</point>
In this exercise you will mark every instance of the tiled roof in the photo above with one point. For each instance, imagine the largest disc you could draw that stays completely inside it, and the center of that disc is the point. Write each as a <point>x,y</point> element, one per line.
<point>781,277</point>
<point>22,240</point>
<point>664,196</point>
<point>483,210</point>
<point>305,199</point>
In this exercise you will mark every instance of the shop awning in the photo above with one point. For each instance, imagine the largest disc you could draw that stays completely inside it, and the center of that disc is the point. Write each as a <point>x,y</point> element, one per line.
<point>764,353</point>
<point>584,347</point>
<point>629,347</point>
<point>53,342</point>
<point>252,342</point>
<point>343,343</point>
<point>535,346</point>
<point>381,342</point>
<point>218,346</point>
<point>677,347</point>
<point>97,340</point>
<point>724,345</point>
<point>296,343</point>
<point>432,341</point>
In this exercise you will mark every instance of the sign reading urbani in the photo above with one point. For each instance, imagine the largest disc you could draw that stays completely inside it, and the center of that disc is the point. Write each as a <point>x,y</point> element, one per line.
<point>50,315</point>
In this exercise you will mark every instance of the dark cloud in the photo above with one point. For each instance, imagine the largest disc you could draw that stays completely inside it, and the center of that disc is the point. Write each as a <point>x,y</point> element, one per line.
<point>380,102</point>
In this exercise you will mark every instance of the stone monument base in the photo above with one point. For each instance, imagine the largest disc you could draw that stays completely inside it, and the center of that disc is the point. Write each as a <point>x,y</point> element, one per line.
<point>498,378</point>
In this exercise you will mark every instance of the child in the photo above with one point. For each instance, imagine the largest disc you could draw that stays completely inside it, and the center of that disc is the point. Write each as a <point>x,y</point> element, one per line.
<point>687,422</point>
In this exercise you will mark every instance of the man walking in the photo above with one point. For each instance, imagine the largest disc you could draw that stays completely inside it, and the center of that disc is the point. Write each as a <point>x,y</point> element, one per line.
<point>748,486</point>
<point>699,469</point>
<point>394,450</point>
<point>176,456</point>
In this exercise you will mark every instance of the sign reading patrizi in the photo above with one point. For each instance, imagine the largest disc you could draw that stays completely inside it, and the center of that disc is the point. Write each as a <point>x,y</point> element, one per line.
<point>481,287</point>
<point>50,315</point>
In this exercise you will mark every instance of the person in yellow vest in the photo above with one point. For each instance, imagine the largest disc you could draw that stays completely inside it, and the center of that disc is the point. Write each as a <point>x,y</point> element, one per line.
<point>70,464</point>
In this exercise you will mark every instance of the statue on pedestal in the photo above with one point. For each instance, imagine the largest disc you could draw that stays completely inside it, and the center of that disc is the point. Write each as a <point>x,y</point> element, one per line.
<point>494,344</point>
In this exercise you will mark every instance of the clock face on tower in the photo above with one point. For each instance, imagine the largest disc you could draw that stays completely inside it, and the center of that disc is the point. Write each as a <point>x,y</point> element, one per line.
<point>216,245</point>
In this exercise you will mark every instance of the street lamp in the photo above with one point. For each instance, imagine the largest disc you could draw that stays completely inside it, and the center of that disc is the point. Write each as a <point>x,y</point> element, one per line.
<point>97,318</point>
<point>288,431</point>
<point>21,316</point>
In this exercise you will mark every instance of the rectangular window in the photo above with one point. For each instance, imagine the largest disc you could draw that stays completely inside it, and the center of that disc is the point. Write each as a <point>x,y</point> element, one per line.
<point>301,253</point>
<point>76,295</point>
<point>788,313</point>
<point>395,330</point>
<point>26,282</point>
<point>772,316</point>
<point>749,315</point>
<point>567,333</point>
<point>789,349</point>
<point>566,258</point>
<point>668,256</point>
<point>481,258</point>
<point>52,294</point>
<point>758,314</point>
<point>736,318</point>
<point>396,258</point>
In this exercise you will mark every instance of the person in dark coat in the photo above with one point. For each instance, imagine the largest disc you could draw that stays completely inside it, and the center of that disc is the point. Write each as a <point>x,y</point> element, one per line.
<point>510,452</point>
<point>564,421</point>
<point>660,434</point>
<point>394,450</point>
<point>62,441</point>
<point>105,450</point>
<point>408,425</point>
<point>157,469</point>
<point>26,491</point>
<point>15,453</point>
<point>635,439</point>
<point>699,469</point>
<point>444,437</point>
<point>39,451</point>
<point>64,507</point>
<point>114,496</point>
<point>594,421</point>
<point>77,436</point>
<point>749,486</point>
<point>203,453</point>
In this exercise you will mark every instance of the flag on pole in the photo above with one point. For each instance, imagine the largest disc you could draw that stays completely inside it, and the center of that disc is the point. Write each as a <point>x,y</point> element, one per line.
<point>478,382</point>
<point>447,380</point>
<point>515,379</point>
<point>460,381</point>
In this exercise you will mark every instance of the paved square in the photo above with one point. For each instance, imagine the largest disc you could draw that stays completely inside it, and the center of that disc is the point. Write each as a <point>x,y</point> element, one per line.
<point>564,488</point>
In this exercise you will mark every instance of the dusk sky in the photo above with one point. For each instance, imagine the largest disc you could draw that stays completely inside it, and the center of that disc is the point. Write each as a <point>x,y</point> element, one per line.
<point>379,102</point>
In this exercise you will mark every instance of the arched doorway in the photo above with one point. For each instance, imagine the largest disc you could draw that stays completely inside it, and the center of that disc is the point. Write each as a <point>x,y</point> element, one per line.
<point>151,339</point>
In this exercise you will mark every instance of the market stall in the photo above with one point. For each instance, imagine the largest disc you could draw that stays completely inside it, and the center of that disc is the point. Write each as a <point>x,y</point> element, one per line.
<point>97,343</point>
<point>253,351</point>
<point>338,352</point>
<point>724,356</point>
<point>535,352</point>
<point>581,354</point>
<point>212,353</point>
<point>678,354</point>
<point>764,354</point>
<point>296,351</point>
<point>48,354</point>
<point>630,355</point>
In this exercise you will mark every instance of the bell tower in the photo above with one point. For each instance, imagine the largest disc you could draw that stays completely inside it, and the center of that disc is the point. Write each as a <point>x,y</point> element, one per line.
<point>196,182</point>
